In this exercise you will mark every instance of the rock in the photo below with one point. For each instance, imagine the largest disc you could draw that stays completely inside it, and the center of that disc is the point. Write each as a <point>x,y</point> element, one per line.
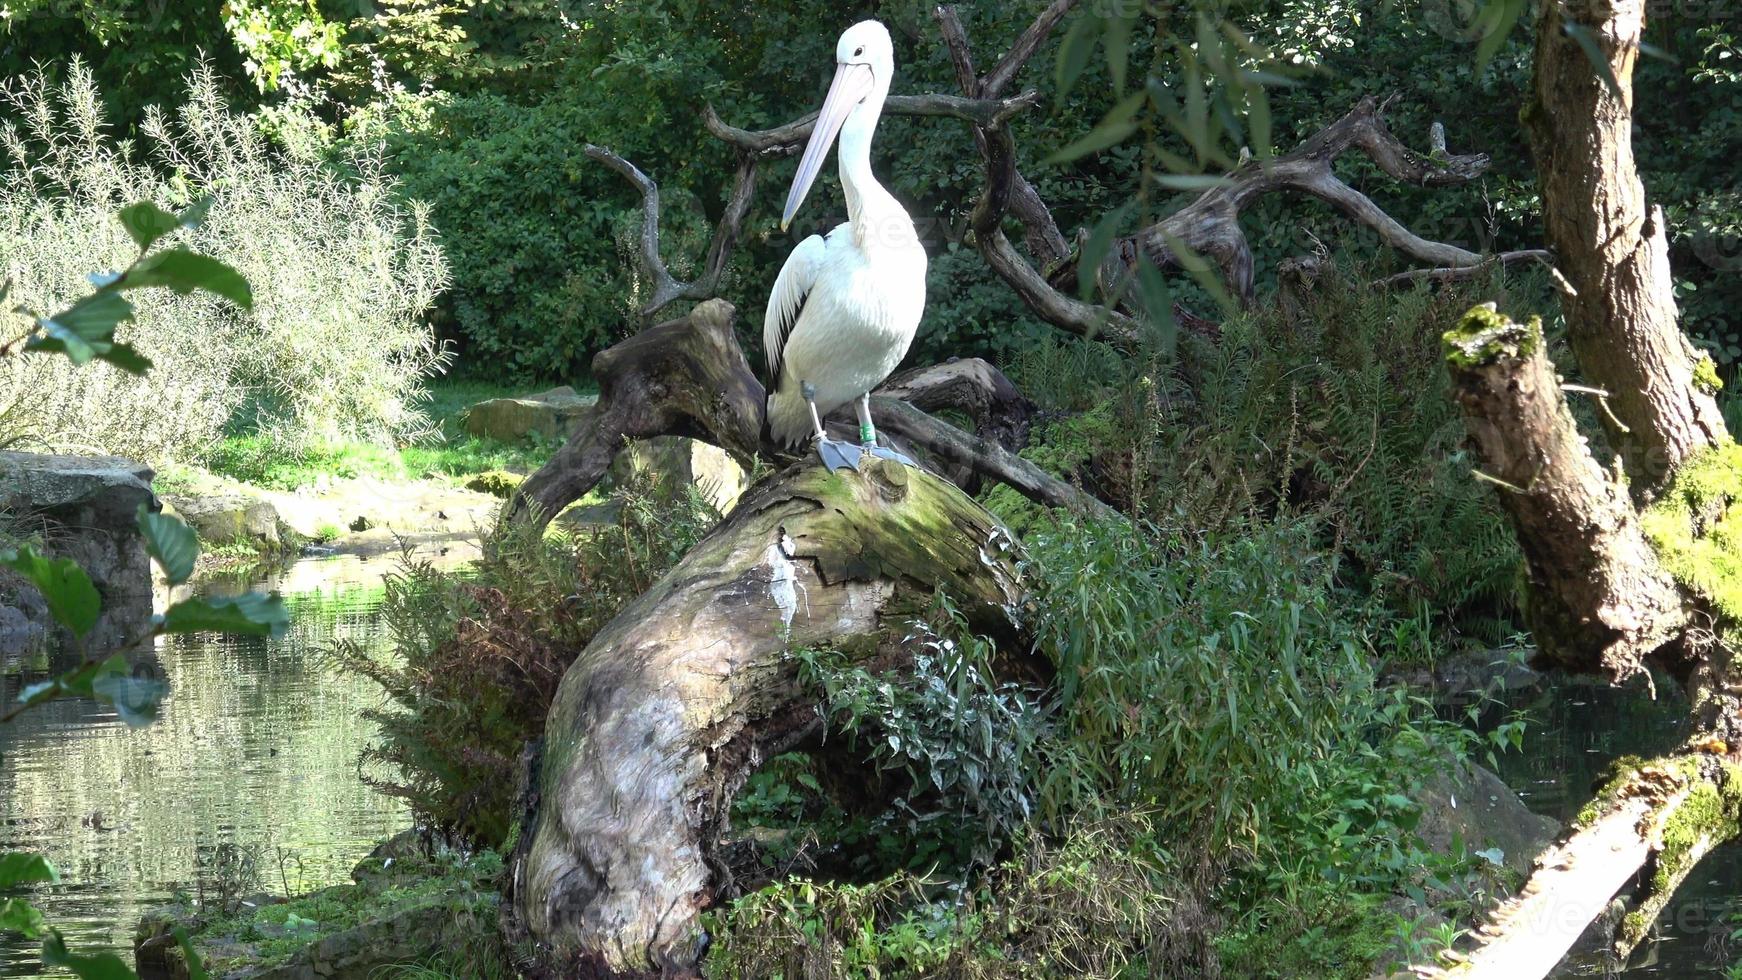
<point>672,461</point>
<point>84,508</point>
<point>1474,805</point>
<point>361,524</point>
<point>402,853</point>
<point>1484,672</point>
<point>424,908</point>
<point>231,518</point>
<point>607,514</point>
<point>552,414</point>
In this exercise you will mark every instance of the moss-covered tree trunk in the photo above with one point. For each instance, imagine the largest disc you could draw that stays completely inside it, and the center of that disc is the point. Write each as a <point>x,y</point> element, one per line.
<point>1631,568</point>
<point>676,701</point>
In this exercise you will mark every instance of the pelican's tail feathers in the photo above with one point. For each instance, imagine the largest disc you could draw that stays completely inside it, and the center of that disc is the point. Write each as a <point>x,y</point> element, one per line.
<point>789,420</point>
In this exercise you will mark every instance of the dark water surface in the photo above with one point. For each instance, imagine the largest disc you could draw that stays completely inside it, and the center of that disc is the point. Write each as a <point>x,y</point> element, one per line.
<point>1575,730</point>
<point>252,760</point>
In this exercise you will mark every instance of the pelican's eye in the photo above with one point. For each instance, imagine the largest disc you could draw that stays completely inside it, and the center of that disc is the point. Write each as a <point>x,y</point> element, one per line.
<point>858,51</point>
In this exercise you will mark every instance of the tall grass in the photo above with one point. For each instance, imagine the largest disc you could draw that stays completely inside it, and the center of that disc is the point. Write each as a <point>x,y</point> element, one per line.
<point>335,346</point>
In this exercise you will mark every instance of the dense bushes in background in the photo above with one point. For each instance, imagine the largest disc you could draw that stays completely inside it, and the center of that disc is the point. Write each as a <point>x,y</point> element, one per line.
<point>506,93</point>
<point>335,346</point>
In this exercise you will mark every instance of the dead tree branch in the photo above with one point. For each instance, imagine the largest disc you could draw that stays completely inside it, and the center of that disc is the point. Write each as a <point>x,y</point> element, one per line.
<point>788,138</point>
<point>666,289</point>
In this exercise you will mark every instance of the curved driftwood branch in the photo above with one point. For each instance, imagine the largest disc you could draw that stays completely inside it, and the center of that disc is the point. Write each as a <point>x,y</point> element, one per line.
<point>1464,273</point>
<point>1209,225</point>
<point>677,700</point>
<point>986,113</point>
<point>688,377</point>
<point>666,288</point>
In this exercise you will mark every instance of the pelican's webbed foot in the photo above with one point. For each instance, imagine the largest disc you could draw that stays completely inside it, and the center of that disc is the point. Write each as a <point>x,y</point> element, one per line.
<point>872,449</point>
<point>838,455</point>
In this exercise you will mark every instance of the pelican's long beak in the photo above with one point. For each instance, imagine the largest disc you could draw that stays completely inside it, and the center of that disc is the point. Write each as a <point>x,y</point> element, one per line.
<point>852,84</point>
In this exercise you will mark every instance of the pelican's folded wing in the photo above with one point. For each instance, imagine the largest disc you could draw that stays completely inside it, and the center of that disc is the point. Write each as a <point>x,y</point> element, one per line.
<point>791,287</point>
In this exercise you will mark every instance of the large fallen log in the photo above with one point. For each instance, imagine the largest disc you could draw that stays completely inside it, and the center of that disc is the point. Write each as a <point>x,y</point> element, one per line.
<point>674,703</point>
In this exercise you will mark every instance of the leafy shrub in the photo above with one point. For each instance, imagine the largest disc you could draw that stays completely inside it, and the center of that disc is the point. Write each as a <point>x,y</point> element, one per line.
<point>477,658</point>
<point>966,744</point>
<point>334,347</point>
<point>1335,407</point>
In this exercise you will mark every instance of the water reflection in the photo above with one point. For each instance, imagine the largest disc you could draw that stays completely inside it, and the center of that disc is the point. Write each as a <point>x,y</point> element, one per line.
<point>254,752</point>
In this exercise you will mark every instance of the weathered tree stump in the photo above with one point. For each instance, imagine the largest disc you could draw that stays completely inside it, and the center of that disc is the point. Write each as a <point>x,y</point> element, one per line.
<point>680,697</point>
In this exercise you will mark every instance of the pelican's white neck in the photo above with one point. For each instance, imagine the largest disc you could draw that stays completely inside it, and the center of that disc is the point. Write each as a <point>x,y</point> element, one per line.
<point>870,208</point>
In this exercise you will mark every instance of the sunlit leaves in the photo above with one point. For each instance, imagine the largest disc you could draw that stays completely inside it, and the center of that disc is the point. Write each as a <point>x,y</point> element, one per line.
<point>171,542</point>
<point>17,915</point>
<point>146,223</point>
<point>85,331</point>
<point>109,681</point>
<point>72,599</point>
<point>185,271</point>
<point>252,614</point>
<point>20,868</point>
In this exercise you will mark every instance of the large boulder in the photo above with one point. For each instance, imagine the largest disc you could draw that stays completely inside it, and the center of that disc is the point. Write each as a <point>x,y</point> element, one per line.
<point>552,414</point>
<point>231,518</point>
<point>84,508</point>
<point>1471,804</point>
<point>670,462</point>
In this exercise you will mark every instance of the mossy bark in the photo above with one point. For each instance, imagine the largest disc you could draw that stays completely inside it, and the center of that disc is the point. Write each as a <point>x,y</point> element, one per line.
<point>1626,569</point>
<point>1599,601</point>
<point>673,704</point>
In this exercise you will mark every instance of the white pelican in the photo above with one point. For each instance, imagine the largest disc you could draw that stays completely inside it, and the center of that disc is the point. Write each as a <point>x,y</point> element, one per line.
<point>845,307</point>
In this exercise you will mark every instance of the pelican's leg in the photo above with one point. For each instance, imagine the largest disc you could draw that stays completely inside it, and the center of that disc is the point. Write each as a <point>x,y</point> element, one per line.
<point>834,454</point>
<point>868,436</point>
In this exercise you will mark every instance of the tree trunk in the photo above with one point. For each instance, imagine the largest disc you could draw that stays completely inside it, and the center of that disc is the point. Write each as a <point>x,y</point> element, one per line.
<point>1611,248</point>
<point>675,702</point>
<point>1625,569</point>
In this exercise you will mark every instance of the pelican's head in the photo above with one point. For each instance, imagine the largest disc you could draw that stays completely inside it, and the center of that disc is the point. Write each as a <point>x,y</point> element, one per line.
<point>864,66</point>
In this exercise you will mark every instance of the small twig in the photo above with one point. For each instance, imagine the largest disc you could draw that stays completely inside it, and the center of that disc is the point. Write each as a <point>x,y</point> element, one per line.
<point>1602,401</point>
<point>1515,488</point>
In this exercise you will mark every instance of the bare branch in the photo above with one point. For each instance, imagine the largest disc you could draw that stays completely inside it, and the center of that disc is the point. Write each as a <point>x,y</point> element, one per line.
<point>666,288</point>
<point>985,113</point>
<point>983,456</point>
<point>1209,225</point>
<point>1024,49</point>
<point>1462,273</point>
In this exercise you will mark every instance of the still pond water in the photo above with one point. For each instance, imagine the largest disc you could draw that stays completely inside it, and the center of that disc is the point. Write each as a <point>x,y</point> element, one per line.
<point>255,754</point>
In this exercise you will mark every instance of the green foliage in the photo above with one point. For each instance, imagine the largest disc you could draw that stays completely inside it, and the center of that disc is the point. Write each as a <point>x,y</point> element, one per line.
<point>966,744</point>
<point>1337,408</point>
<point>329,342</point>
<point>1098,904</point>
<point>1694,527</point>
<point>477,658</point>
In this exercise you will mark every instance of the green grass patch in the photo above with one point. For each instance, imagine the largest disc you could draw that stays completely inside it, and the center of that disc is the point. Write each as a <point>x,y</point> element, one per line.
<point>449,451</point>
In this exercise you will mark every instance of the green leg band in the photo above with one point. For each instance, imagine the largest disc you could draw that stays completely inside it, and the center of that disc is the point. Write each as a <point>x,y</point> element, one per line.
<point>867,434</point>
